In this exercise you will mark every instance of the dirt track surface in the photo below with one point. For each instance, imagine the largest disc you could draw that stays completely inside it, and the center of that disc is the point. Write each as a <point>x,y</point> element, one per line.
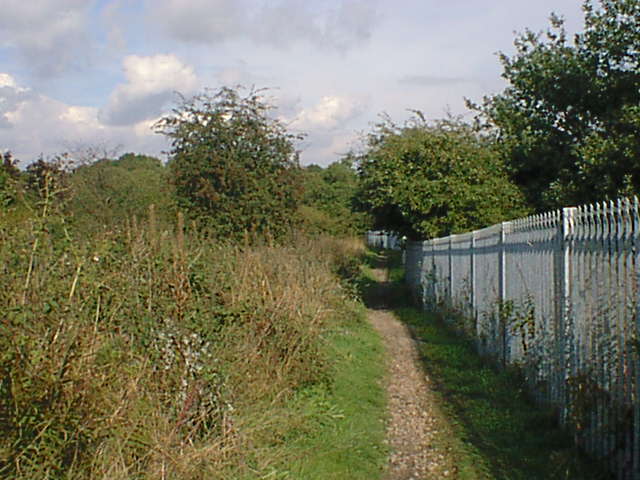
<point>416,426</point>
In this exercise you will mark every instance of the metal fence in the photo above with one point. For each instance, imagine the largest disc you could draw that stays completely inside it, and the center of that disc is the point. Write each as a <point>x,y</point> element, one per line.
<point>382,239</point>
<point>555,294</point>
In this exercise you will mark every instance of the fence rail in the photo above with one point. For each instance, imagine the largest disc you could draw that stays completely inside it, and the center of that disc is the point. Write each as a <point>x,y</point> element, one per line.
<point>557,295</point>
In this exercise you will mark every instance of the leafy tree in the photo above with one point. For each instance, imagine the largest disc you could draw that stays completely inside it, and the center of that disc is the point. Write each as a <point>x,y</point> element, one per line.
<point>109,191</point>
<point>328,198</point>
<point>233,165</point>
<point>570,117</point>
<point>429,180</point>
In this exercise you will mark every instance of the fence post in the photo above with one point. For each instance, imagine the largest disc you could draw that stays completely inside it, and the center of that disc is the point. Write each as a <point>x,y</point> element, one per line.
<point>472,280</point>
<point>563,310</point>
<point>636,408</point>
<point>502,264</point>
<point>450,299</point>
<point>425,275</point>
<point>502,287</point>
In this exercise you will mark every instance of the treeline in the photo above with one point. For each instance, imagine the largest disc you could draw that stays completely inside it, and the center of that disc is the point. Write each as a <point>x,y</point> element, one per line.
<point>565,131</point>
<point>233,169</point>
<point>108,190</point>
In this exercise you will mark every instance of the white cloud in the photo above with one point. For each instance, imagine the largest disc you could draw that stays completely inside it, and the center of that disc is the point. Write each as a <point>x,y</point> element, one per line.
<point>50,35</point>
<point>11,97</point>
<point>329,113</point>
<point>7,80</point>
<point>150,85</point>
<point>84,118</point>
<point>323,148</point>
<point>329,125</point>
<point>145,128</point>
<point>32,124</point>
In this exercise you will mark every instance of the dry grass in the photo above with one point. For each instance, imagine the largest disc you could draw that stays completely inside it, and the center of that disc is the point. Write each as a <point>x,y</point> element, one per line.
<point>148,353</point>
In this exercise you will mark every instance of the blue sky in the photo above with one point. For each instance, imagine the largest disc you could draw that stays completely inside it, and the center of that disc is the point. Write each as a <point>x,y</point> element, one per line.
<point>86,75</point>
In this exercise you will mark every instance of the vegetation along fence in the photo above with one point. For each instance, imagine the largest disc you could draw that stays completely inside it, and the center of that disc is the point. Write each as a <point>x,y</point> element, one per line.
<point>555,294</point>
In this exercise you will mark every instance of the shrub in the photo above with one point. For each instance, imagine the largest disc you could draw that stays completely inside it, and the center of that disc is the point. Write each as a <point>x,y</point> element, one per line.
<point>234,167</point>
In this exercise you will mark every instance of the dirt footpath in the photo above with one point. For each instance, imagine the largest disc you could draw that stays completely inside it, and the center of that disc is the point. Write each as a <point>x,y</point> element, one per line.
<point>416,427</point>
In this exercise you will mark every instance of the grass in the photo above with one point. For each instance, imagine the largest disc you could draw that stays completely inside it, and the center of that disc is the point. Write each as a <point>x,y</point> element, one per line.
<point>499,429</point>
<point>347,441</point>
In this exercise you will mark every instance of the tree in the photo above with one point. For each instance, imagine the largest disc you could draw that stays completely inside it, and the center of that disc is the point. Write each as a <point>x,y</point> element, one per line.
<point>233,166</point>
<point>570,118</point>
<point>328,199</point>
<point>430,180</point>
<point>109,191</point>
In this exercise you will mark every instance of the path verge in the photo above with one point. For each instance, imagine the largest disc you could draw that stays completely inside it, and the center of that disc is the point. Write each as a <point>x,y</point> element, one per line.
<point>489,428</point>
<point>422,443</point>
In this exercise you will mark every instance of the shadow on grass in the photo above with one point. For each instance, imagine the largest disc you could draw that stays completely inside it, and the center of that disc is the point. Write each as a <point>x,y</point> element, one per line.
<point>489,408</point>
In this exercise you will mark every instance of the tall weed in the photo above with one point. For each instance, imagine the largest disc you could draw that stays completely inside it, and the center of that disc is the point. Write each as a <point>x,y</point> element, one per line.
<point>138,352</point>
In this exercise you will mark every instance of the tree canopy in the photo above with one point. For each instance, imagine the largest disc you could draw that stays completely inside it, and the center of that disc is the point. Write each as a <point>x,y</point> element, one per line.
<point>429,180</point>
<point>570,116</point>
<point>328,199</point>
<point>233,165</point>
<point>114,190</point>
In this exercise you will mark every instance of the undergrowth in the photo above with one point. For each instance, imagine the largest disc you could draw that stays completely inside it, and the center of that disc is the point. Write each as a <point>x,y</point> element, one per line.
<point>143,351</point>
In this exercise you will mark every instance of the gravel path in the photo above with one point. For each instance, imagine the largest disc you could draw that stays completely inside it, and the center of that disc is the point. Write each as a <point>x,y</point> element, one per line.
<point>417,432</point>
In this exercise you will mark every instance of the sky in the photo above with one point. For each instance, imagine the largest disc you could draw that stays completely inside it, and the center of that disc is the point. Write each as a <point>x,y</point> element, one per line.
<point>84,76</point>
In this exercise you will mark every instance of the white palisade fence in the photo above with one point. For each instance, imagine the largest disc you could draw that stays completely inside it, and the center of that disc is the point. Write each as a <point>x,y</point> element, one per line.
<point>555,294</point>
<point>382,239</point>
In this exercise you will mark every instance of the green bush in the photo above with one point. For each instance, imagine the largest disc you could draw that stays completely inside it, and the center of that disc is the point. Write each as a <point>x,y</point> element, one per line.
<point>328,200</point>
<point>112,191</point>
<point>233,166</point>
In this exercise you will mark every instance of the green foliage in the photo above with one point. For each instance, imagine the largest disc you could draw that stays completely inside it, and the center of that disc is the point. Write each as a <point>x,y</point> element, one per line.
<point>48,179</point>
<point>569,119</point>
<point>427,180</point>
<point>328,199</point>
<point>111,191</point>
<point>233,166</point>
<point>9,179</point>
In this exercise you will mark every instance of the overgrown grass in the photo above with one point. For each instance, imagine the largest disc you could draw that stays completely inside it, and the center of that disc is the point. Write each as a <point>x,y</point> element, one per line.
<point>489,408</point>
<point>147,352</point>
